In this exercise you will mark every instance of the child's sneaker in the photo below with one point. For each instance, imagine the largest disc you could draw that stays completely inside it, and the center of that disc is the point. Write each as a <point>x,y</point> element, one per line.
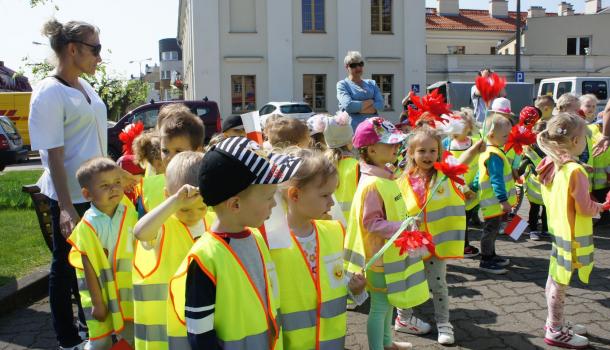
<point>500,261</point>
<point>576,328</point>
<point>535,235</point>
<point>491,267</point>
<point>565,338</point>
<point>445,333</point>
<point>412,326</point>
<point>399,345</point>
<point>470,251</point>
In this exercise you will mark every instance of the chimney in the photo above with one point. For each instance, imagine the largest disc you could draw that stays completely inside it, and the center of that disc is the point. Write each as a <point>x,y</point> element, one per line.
<point>565,9</point>
<point>498,8</point>
<point>448,8</point>
<point>536,11</point>
<point>592,6</point>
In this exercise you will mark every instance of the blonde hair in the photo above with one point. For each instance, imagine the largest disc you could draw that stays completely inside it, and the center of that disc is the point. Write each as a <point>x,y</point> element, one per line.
<point>589,97</point>
<point>559,132</point>
<point>565,101</point>
<point>467,115</point>
<point>544,101</point>
<point>286,131</point>
<point>317,142</point>
<point>147,148</point>
<point>496,120</point>
<point>352,57</point>
<point>169,110</point>
<point>422,131</point>
<point>183,169</point>
<point>336,154</point>
<point>89,169</point>
<point>314,167</point>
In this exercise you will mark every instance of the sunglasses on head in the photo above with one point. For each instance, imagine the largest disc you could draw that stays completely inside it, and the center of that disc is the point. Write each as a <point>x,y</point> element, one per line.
<point>95,49</point>
<point>356,64</point>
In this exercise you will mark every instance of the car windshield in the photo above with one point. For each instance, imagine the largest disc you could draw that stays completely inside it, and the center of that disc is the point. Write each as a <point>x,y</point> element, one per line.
<point>7,126</point>
<point>292,109</point>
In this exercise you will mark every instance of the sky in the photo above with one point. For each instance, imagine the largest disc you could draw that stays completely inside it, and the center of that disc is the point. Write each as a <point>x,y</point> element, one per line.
<point>131,29</point>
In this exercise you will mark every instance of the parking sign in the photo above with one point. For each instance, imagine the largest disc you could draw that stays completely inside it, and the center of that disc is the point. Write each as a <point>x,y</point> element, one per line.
<point>520,76</point>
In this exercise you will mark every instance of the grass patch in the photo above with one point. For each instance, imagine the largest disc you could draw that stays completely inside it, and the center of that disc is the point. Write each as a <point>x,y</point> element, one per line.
<point>23,248</point>
<point>10,188</point>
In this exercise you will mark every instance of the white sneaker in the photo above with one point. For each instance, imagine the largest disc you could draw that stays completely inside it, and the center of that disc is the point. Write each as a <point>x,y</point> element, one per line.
<point>412,326</point>
<point>399,345</point>
<point>574,327</point>
<point>82,346</point>
<point>445,333</point>
<point>565,338</point>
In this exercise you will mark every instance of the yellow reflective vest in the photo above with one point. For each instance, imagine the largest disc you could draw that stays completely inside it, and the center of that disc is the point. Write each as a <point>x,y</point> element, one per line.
<point>404,275</point>
<point>601,163</point>
<point>348,170</point>
<point>532,184</point>
<point>490,206</point>
<point>153,269</point>
<point>444,217</point>
<point>572,242</point>
<point>241,320</point>
<point>113,273</point>
<point>473,168</point>
<point>153,191</point>
<point>313,307</point>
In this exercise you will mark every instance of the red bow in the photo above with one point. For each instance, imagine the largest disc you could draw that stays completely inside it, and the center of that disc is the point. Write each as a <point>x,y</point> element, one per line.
<point>129,134</point>
<point>519,136</point>
<point>409,241</point>
<point>452,169</point>
<point>433,103</point>
<point>490,87</point>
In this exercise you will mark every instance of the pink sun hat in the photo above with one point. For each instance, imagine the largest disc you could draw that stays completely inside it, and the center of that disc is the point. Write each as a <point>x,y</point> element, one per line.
<point>501,105</point>
<point>376,130</point>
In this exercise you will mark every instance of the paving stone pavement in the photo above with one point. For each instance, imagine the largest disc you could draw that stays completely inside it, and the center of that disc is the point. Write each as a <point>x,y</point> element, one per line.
<point>487,311</point>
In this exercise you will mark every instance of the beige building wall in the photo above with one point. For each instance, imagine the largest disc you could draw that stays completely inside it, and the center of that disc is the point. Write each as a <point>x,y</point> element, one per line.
<point>475,42</point>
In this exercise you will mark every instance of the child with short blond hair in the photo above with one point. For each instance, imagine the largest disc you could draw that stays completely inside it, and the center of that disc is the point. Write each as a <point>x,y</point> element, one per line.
<point>287,131</point>
<point>545,104</point>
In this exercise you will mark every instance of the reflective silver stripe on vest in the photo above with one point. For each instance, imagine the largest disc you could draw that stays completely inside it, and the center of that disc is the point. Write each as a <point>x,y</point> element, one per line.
<point>584,241</point>
<point>563,244</point>
<point>106,276</point>
<point>150,292</point>
<point>150,332</point>
<point>123,265</point>
<point>400,265</point>
<point>566,264</point>
<point>126,294</point>
<point>113,306</point>
<point>585,259</point>
<point>258,341</point>
<point>487,184</point>
<point>178,343</point>
<point>447,236</point>
<point>489,202</point>
<point>600,182</point>
<point>345,206</point>
<point>306,319</point>
<point>333,344</point>
<point>452,210</point>
<point>353,257</point>
<point>411,281</point>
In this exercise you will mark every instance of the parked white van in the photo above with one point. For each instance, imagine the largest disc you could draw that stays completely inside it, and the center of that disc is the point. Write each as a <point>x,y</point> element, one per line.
<point>577,85</point>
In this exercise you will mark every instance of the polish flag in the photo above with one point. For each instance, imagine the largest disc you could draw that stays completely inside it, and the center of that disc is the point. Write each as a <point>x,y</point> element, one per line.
<point>252,125</point>
<point>515,227</point>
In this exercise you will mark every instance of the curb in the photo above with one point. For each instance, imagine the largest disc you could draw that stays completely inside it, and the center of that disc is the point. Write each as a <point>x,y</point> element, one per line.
<point>25,290</point>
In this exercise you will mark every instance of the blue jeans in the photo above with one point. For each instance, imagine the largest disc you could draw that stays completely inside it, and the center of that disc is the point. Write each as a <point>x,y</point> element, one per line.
<point>62,283</point>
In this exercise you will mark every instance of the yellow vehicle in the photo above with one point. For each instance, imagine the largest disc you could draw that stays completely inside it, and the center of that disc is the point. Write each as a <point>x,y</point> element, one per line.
<point>16,106</point>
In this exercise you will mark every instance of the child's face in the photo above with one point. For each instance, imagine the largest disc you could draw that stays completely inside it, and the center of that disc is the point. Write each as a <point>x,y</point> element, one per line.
<point>192,214</point>
<point>382,153</point>
<point>256,204</point>
<point>315,199</point>
<point>547,112</point>
<point>425,153</point>
<point>172,146</point>
<point>239,132</point>
<point>588,106</point>
<point>499,135</point>
<point>105,191</point>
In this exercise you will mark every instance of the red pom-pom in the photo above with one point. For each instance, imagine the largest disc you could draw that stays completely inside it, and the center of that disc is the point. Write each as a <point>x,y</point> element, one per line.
<point>529,116</point>
<point>451,168</point>
<point>519,137</point>
<point>129,134</point>
<point>490,87</point>
<point>410,241</point>
<point>433,103</point>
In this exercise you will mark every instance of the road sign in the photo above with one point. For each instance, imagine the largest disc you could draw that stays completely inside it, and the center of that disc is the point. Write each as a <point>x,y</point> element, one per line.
<point>520,76</point>
<point>415,88</point>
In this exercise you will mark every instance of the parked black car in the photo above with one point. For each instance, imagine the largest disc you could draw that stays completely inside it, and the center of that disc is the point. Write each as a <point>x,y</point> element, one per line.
<point>205,109</point>
<point>11,144</point>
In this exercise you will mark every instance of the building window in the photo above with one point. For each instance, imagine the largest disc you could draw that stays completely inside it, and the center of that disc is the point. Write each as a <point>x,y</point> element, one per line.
<point>492,50</point>
<point>381,16</point>
<point>169,56</point>
<point>456,50</point>
<point>314,91</point>
<point>385,83</point>
<point>579,46</point>
<point>243,93</point>
<point>313,15</point>
<point>166,74</point>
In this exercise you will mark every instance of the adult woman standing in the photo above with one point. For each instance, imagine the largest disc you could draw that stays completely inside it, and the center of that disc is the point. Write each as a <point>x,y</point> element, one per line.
<point>361,98</point>
<point>68,126</point>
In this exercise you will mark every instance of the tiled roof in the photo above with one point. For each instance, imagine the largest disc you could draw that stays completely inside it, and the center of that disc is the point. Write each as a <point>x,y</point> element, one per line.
<point>478,20</point>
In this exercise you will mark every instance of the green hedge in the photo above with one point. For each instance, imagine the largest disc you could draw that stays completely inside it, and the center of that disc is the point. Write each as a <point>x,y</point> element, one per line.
<point>11,196</point>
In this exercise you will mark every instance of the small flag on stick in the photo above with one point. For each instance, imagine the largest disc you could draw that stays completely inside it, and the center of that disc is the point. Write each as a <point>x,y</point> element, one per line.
<point>515,227</point>
<point>252,125</point>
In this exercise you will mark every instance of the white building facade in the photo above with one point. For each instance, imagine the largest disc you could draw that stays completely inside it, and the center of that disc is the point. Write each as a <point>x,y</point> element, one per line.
<point>245,53</point>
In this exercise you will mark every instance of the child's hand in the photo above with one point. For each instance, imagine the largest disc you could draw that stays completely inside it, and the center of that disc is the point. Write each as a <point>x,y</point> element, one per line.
<point>480,146</point>
<point>506,207</point>
<point>128,181</point>
<point>357,283</point>
<point>469,195</point>
<point>99,312</point>
<point>588,167</point>
<point>187,195</point>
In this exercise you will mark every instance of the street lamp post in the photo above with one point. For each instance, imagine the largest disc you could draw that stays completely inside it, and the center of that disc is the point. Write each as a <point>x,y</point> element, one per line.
<point>140,64</point>
<point>518,38</point>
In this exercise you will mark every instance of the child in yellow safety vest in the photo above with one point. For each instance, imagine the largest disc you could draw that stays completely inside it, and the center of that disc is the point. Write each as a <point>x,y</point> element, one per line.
<point>377,212</point>
<point>165,236</point>
<point>338,136</point>
<point>102,252</point>
<point>314,288</point>
<point>443,215</point>
<point>179,130</point>
<point>226,291</point>
<point>565,192</point>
